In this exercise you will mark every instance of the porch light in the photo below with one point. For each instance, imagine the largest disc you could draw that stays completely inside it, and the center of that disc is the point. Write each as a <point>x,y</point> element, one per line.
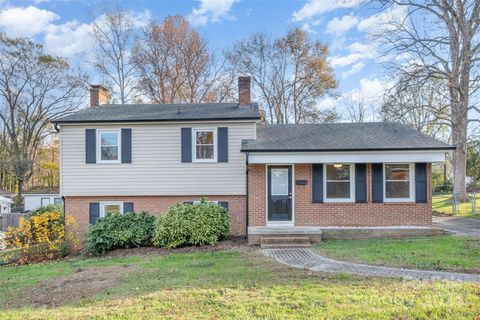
<point>338,165</point>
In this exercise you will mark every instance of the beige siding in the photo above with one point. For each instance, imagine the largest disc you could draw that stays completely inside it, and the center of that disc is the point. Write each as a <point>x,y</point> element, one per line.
<point>156,167</point>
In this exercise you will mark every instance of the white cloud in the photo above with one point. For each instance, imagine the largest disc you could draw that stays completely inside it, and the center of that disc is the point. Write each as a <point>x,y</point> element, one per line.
<point>382,21</point>
<point>339,26</point>
<point>327,103</point>
<point>211,11</point>
<point>356,68</point>
<point>67,39</point>
<point>317,7</point>
<point>358,52</point>
<point>25,21</point>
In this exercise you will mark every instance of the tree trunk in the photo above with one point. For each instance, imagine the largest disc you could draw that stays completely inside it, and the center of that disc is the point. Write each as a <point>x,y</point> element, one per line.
<point>459,139</point>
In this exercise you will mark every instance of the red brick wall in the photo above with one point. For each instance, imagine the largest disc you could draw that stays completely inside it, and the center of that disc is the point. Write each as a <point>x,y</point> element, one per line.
<point>336,214</point>
<point>79,207</point>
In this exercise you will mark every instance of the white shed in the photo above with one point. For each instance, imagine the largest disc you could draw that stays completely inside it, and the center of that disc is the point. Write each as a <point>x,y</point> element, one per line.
<point>5,205</point>
<point>36,200</point>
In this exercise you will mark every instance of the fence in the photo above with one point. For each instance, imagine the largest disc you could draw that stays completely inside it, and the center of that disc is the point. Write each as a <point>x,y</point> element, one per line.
<point>9,220</point>
<point>456,203</point>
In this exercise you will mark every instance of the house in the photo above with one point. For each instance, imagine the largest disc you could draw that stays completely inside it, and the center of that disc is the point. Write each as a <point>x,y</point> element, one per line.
<point>372,178</point>
<point>37,197</point>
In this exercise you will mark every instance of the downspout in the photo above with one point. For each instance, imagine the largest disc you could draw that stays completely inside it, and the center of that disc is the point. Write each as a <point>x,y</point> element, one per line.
<point>246,202</point>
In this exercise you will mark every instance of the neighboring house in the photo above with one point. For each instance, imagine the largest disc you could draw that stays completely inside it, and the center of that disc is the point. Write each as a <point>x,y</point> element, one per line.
<point>5,202</point>
<point>37,197</point>
<point>274,179</point>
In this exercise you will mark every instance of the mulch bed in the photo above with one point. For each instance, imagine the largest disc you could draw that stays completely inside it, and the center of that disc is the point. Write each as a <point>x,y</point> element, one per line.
<point>230,243</point>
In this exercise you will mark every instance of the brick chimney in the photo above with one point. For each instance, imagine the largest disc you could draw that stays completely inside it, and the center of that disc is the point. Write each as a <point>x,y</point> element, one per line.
<point>98,95</point>
<point>244,90</point>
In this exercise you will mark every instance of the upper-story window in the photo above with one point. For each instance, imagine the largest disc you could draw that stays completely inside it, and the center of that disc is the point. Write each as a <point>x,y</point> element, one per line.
<point>204,146</point>
<point>339,186</point>
<point>108,146</point>
<point>398,183</point>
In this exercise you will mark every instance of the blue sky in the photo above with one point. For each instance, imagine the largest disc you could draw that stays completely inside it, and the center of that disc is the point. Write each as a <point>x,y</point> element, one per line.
<point>62,26</point>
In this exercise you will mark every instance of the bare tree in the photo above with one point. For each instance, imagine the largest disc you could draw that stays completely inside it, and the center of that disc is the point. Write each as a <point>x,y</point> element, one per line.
<point>34,87</point>
<point>175,65</point>
<point>114,38</point>
<point>290,72</point>
<point>439,38</point>
<point>358,109</point>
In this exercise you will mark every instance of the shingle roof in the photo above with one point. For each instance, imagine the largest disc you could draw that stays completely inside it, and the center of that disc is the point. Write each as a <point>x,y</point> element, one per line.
<point>163,112</point>
<point>340,137</point>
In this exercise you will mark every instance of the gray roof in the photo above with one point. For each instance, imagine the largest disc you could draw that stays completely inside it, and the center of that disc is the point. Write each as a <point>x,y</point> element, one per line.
<point>163,112</point>
<point>340,137</point>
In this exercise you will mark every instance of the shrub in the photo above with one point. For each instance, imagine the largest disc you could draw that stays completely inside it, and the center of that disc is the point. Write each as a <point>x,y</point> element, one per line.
<point>116,231</point>
<point>197,224</point>
<point>47,230</point>
<point>50,208</point>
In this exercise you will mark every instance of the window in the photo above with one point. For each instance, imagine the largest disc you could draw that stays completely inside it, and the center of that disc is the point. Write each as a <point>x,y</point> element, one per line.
<point>339,186</point>
<point>57,201</point>
<point>398,182</point>
<point>108,146</point>
<point>45,202</point>
<point>115,207</point>
<point>204,145</point>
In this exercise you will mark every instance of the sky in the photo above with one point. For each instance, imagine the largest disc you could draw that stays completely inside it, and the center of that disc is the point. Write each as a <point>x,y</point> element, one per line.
<point>344,25</point>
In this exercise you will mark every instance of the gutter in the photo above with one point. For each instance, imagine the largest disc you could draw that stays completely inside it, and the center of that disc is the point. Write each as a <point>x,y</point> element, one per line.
<point>351,150</point>
<point>246,202</point>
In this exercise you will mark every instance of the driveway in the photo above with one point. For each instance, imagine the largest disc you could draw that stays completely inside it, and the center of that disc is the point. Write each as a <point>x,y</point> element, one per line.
<point>460,226</point>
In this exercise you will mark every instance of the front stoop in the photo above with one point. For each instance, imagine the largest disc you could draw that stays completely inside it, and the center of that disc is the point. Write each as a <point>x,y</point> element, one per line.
<point>288,241</point>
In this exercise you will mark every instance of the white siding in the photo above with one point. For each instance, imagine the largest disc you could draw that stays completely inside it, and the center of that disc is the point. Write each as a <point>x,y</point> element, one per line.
<point>34,201</point>
<point>156,167</point>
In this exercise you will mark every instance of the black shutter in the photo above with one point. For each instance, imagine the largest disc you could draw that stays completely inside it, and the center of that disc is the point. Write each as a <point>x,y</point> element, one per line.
<point>222,139</point>
<point>360,183</point>
<point>420,182</point>
<point>377,182</point>
<point>127,207</point>
<point>126,145</point>
<point>317,183</point>
<point>223,205</point>
<point>186,144</point>
<point>188,202</point>
<point>94,212</point>
<point>90,146</point>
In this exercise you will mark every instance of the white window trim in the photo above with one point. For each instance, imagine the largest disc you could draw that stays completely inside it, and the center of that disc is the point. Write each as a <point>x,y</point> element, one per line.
<point>194,144</point>
<point>411,184</point>
<point>352,184</point>
<point>103,204</point>
<point>207,201</point>
<point>45,198</point>
<point>99,147</point>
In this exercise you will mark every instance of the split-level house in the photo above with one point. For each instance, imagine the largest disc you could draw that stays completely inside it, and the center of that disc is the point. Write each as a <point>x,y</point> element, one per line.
<point>339,178</point>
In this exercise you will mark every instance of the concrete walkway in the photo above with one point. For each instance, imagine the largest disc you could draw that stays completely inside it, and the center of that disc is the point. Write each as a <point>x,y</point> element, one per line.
<point>461,226</point>
<point>308,259</point>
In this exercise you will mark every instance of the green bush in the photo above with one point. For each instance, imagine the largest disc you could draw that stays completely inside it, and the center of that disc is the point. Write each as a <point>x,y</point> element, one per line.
<point>196,224</point>
<point>116,231</point>
<point>50,208</point>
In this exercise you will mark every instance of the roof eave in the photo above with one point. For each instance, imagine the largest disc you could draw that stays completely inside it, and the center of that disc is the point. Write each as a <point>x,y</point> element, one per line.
<point>351,150</point>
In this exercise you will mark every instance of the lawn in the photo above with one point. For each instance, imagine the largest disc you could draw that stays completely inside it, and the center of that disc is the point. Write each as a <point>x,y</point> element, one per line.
<point>227,284</point>
<point>443,204</point>
<point>450,253</point>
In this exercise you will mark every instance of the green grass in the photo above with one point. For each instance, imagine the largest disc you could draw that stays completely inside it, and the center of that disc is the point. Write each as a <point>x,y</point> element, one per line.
<point>443,204</point>
<point>450,253</point>
<point>231,284</point>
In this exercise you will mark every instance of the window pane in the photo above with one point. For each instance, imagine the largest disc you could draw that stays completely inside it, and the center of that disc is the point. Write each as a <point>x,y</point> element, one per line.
<point>397,189</point>
<point>397,172</point>
<point>279,182</point>
<point>109,139</point>
<point>57,200</point>
<point>45,202</point>
<point>341,172</point>
<point>109,153</point>
<point>112,208</point>
<point>204,137</point>
<point>204,152</point>
<point>338,190</point>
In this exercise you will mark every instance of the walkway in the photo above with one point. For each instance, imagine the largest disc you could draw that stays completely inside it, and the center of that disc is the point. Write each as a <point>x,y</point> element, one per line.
<point>308,259</point>
<point>461,226</point>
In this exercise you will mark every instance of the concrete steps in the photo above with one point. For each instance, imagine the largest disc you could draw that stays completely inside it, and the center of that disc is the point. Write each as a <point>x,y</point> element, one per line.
<point>285,241</point>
